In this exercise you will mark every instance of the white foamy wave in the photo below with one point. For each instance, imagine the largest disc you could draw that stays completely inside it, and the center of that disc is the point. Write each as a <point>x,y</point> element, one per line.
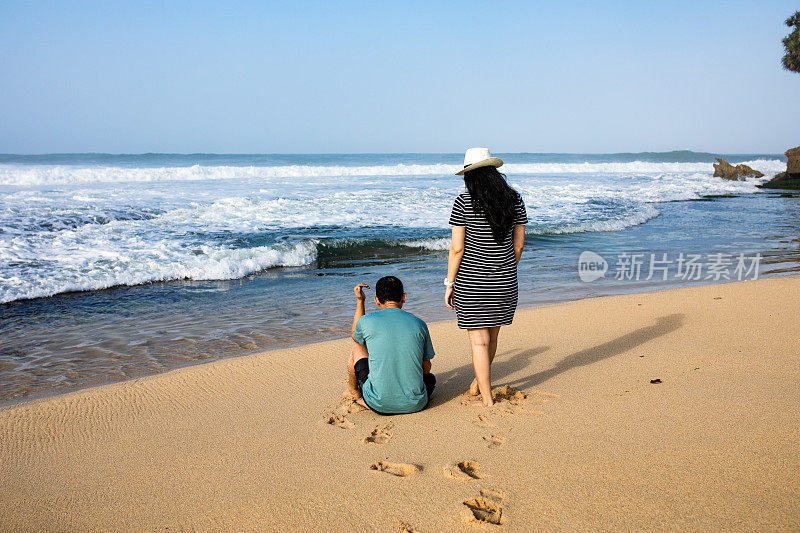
<point>401,207</point>
<point>34,175</point>
<point>609,221</point>
<point>552,201</point>
<point>638,216</point>
<point>428,244</point>
<point>47,175</point>
<point>766,166</point>
<point>95,236</point>
<point>552,195</point>
<point>100,264</point>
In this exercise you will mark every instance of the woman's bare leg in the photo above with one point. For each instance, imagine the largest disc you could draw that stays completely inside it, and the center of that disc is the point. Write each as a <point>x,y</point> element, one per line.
<point>479,342</point>
<point>494,332</point>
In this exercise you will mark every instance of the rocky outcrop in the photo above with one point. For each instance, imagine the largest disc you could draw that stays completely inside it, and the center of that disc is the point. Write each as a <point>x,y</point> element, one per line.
<point>784,180</point>
<point>791,178</point>
<point>793,164</point>
<point>724,170</point>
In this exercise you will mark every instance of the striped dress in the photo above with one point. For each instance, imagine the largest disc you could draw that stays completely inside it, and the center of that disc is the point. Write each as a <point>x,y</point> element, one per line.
<point>485,288</point>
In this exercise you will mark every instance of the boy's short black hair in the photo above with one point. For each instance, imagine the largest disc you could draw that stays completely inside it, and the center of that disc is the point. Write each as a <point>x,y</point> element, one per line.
<point>389,289</point>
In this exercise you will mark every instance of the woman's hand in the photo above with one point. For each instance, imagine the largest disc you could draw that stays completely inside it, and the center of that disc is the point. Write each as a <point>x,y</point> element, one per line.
<point>358,289</point>
<point>448,298</point>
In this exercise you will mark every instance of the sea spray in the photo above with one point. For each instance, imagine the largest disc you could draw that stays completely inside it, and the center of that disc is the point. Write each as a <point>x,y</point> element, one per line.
<point>81,226</point>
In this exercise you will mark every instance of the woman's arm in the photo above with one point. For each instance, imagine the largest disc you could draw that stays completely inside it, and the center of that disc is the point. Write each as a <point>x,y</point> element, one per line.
<point>519,241</point>
<point>454,261</point>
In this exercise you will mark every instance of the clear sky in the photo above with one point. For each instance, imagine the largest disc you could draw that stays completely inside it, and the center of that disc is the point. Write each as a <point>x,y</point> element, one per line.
<point>327,77</point>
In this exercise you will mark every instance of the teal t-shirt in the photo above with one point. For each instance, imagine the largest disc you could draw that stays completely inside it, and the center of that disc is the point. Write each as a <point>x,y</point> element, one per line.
<point>397,343</point>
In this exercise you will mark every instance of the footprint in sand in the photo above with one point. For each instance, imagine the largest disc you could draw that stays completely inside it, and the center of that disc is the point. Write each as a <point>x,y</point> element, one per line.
<point>356,407</point>
<point>405,527</point>
<point>340,422</point>
<point>505,394</point>
<point>464,471</point>
<point>379,435</point>
<point>483,421</point>
<point>484,510</point>
<point>493,441</point>
<point>496,495</point>
<point>396,469</point>
<point>509,394</point>
<point>348,405</point>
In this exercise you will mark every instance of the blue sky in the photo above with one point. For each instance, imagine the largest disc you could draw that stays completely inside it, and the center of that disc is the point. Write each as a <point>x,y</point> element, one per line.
<point>327,77</point>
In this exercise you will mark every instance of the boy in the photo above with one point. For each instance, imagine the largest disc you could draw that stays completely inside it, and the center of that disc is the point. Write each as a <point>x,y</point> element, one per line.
<point>390,367</point>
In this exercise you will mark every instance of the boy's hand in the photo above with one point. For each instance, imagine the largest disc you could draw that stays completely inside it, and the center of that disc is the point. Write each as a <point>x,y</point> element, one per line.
<point>358,289</point>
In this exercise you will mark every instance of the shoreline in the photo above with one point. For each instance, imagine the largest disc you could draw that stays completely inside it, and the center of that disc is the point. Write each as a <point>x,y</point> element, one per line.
<point>140,329</point>
<point>611,292</point>
<point>250,442</point>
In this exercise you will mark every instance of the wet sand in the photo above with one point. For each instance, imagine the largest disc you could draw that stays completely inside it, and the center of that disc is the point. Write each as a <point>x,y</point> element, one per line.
<point>581,438</point>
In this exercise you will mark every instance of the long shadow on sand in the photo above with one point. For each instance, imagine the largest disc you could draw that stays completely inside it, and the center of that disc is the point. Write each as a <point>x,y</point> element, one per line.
<point>620,345</point>
<point>452,383</point>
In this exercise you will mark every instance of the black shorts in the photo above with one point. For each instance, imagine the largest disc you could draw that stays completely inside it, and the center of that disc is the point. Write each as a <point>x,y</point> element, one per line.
<point>362,372</point>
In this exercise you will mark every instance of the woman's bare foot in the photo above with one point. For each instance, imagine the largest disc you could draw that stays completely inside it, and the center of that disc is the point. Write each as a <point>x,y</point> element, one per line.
<point>360,401</point>
<point>473,388</point>
<point>477,402</point>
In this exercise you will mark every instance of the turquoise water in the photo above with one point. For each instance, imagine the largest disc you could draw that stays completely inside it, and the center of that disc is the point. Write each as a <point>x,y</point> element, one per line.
<point>113,267</point>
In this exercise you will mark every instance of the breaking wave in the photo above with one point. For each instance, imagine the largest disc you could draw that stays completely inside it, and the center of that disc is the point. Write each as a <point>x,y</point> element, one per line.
<point>36,175</point>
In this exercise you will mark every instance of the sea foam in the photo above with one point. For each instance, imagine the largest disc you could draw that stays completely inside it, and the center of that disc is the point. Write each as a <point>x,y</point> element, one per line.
<point>71,228</point>
<point>36,175</point>
<point>85,266</point>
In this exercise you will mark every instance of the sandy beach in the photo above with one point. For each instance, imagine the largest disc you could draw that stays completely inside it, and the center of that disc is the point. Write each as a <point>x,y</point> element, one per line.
<point>587,442</point>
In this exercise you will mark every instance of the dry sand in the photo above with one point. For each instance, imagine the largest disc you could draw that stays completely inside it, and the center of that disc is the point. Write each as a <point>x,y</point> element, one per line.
<point>245,443</point>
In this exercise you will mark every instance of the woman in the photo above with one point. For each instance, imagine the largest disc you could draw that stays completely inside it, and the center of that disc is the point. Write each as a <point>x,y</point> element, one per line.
<point>488,233</point>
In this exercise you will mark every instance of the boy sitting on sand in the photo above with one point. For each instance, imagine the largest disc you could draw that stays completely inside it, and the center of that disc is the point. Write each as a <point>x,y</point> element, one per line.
<point>390,367</point>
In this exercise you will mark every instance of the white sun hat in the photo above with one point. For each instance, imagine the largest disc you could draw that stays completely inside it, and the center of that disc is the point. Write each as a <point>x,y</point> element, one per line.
<point>479,157</point>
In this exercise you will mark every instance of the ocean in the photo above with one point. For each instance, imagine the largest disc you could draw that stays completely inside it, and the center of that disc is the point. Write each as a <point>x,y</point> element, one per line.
<point>118,266</point>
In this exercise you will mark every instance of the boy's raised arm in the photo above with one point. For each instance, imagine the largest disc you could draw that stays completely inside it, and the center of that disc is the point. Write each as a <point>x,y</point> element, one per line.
<point>360,299</point>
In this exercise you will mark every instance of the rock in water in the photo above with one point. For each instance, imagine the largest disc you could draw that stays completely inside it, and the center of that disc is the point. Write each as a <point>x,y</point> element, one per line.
<point>724,170</point>
<point>791,178</point>
<point>793,164</point>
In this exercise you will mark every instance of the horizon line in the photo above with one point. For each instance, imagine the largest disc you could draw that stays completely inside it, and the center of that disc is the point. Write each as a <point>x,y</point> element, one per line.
<point>377,153</point>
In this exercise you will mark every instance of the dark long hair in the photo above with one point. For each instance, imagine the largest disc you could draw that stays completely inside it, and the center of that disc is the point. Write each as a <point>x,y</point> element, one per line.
<point>494,198</point>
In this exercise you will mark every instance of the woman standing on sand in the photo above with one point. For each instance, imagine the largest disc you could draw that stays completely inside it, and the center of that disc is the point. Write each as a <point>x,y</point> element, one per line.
<point>488,233</point>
